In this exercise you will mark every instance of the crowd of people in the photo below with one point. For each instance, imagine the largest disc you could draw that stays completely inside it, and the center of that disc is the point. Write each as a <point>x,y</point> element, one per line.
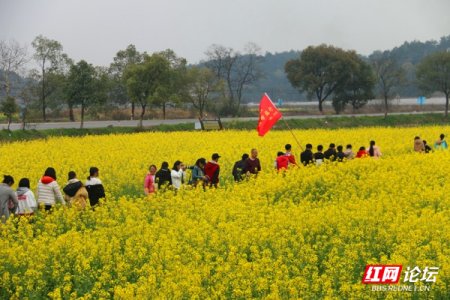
<point>23,202</point>
<point>203,172</point>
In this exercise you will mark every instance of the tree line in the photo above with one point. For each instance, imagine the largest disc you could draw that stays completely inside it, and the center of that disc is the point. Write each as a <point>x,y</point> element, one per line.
<point>218,84</point>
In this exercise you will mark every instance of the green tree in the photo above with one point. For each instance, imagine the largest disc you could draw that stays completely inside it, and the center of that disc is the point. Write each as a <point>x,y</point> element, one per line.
<point>147,82</point>
<point>389,75</point>
<point>320,71</point>
<point>358,89</point>
<point>84,87</point>
<point>201,86</point>
<point>122,60</point>
<point>51,59</point>
<point>9,108</point>
<point>433,74</point>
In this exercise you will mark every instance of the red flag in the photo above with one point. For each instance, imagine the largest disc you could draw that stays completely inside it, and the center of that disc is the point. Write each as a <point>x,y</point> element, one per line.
<point>268,115</point>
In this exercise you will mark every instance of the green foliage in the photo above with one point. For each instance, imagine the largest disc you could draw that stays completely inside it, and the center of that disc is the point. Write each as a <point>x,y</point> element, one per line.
<point>159,79</point>
<point>118,89</point>
<point>433,74</point>
<point>52,63</point>
<point>85,86</point>
<point>322,70</point>
<point>8,108</point>
<point>358,88</point>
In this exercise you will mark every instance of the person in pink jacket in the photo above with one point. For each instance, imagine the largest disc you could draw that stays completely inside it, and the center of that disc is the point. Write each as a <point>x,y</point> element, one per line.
<point>374,151</point>
<point>149,182</point>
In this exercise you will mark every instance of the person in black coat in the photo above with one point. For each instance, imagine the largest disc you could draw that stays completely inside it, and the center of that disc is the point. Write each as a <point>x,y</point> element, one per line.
<point>94,187</point>
<point>340,155</point>
<point>163,177</point>
<point>331,152</point>
<point>306,157</point>
<point>238,168</point>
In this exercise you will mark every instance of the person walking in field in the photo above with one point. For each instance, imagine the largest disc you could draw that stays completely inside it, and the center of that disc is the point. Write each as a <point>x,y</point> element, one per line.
<point>149,181</point>
<point>94,187</point>
<point>330,153</point>
<point>25,197</point>
<point>441,143</point>
<point>198,172</point>
<point>349,152</point>
<point>252,164</point>
<point>307,156</point>
<point>374,150</point>
<point>48,191</point>
<point>362,153</point>
<point>8,198</point>
<point>177,174</point>
<point>212,170</point>
<point>418,145</point>
<point>282,162</point>
<point>75,193</point>
<point>238,168</point>
<point>290,155</point>
<point>163,177</point>
<point>340,155</point>
<point>319,156</point>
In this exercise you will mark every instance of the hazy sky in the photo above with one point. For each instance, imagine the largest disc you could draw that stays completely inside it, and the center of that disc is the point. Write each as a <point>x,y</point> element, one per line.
<point>96,29</point>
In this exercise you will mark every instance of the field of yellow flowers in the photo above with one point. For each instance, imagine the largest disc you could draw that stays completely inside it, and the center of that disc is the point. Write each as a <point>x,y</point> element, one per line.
<point>308,233</point>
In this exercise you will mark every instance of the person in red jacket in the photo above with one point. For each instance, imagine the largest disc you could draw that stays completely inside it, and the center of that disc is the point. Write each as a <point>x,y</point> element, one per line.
<point>289,154</point>
<point>282,161</point>
<point>212,170</point>
<point>362,153</point>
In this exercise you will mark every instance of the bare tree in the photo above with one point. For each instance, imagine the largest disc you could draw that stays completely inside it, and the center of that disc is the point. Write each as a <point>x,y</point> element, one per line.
<point>389,76</point>
<point>201,86</point>
<point>13,57</point>
<point>235,69</point>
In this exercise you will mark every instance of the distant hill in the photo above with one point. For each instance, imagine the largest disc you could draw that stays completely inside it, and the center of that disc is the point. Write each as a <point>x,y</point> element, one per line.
<point>409,54</point>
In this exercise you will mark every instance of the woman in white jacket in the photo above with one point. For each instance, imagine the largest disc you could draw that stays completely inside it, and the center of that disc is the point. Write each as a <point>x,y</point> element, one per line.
<point>178,174</point>
<point>27,202</point>
<point>48,191</point>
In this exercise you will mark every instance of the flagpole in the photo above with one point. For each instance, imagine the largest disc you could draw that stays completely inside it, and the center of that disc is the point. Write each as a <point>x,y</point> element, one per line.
<point>295,138</point>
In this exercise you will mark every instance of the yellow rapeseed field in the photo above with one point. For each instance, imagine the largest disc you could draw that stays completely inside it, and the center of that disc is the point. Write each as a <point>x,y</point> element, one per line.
<point>308,233</point>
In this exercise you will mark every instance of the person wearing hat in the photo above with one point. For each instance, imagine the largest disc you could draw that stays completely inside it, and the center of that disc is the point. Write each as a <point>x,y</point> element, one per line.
<point>212,170</point>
